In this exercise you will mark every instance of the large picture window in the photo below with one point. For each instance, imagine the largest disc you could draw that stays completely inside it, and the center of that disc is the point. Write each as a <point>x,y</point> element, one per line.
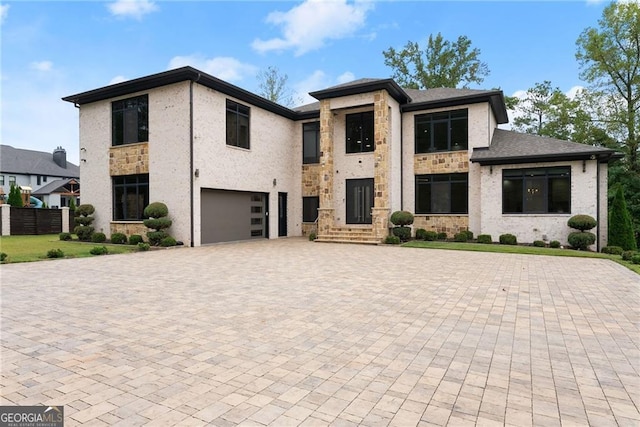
<point>130,197</point>
<point>310,208</point>
<point>311,143</point>
<point>237,125</point>
<point>539,190</point>
<point>360,132</point>
<point>130,120</point>
<point>446,131</point>
<point>442,194</point>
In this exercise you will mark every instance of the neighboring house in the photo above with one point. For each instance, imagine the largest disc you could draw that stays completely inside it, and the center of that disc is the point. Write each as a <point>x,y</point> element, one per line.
<point>44,173</point>
<point>231,165</point>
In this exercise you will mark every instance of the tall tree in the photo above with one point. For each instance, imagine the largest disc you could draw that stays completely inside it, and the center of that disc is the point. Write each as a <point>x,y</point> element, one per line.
<point>442,63</point>
<point>620,226</point>
<point>273,85</point>
<point>15,197</point>
<point>609,57</point>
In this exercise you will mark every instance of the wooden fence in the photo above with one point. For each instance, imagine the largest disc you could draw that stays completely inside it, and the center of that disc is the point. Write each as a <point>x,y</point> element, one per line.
<point>36,221</point>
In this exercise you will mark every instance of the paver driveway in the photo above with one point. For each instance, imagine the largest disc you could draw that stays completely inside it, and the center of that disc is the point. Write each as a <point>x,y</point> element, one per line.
<point>290,332</point>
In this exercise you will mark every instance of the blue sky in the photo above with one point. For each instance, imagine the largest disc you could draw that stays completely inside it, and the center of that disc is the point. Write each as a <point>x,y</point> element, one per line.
<point>54,49</point>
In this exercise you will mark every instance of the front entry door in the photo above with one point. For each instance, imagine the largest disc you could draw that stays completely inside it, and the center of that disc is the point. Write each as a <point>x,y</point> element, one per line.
<point>282,214</point>
<point>359,201</point>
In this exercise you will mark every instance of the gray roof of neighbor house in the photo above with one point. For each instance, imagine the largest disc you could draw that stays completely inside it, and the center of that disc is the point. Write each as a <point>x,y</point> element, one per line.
<point>54,186</point>
<point>508,147</point>
<point>30,162</point>
<point>409,99</point>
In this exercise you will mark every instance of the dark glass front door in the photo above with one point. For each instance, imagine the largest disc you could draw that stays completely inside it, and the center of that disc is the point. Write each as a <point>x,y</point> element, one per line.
<point>359,201</point>
<point>282,214</point>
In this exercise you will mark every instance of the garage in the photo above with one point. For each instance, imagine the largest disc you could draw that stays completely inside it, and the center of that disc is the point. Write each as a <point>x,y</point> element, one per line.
<point>228,216</point>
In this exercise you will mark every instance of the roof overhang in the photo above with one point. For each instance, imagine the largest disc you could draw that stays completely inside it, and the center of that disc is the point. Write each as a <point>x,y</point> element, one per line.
<point>601,156</point>
<point>387,84</point>
<point>494,98</point>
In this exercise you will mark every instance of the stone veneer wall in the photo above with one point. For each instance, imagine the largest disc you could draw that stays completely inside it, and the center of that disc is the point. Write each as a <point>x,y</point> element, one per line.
<point>326,211</point>
<point>129,159</point>
<point>447,162</point>
<point>450,224</point>
<point>311,180</point>
<point>380,215</point>
<point>128,228</point>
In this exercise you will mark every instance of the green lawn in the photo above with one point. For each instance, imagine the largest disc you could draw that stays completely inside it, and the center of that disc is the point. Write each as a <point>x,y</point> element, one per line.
<point>35,248</point>
<point>517,249</point>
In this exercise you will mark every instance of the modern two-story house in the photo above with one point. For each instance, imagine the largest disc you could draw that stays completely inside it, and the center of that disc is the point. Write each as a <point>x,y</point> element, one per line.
<point>231,165</point>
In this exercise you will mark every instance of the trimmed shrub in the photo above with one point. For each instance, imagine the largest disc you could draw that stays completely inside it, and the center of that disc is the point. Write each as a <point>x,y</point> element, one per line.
<point>431,236</point>
<point>157,221</point>
<point>85,210</point>
<point>612,250</point>
<point>64,236</point>
<point>403,233</point>
<point>620,223</point>
<point>469,234</point>
<point>142,246</point>
<point>312,237</point>
<point>461,236</point>
<point>98,237</point>
<point>55,253</point>
<point>392,240</point>
<point>442,236</point>
<point>421,234</point>
<point>401,218</point>
<point>84,219</point>
<point>168,241</point>
<point>635,259</point>
<point>539,243</point>
<point>118,238</point>
<point>99,250</point>
<point>554,244</point>
<point>3,256</point>
<point>581,240</point>
<point>83,232</point>
<point>134,239</point>
<point>508,239</point>
<point>485,238</point>
<point>15,197</point>
<point>155,237</point>
<point>582,222</point>
<point>627,255</point>
<point>156,210</point>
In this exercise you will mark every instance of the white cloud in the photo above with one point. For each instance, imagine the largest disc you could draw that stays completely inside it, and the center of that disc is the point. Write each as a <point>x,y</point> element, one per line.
<point>308,25</point>
<point>346,77</point>
<point>225,68</point>
<point>118,79</point>
<point>132,8</point>
<point>574,91</point>
<point>4,12</point>
<point>41,66</point>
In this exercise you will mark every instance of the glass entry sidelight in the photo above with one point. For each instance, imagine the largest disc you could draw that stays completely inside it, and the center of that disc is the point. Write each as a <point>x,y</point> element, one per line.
<point>359,201</point>
<point>282,214</point>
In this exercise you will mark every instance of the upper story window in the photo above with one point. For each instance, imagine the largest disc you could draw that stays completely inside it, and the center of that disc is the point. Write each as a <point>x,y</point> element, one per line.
<point>12,180</point>
<point>1,179</point>
<point>446,193</point>
<point>539,190</point>
<point>446,131</point>
<point>360,132</point>
<point>237,124</point>
<point>311,142</point>
<point>130,120</point>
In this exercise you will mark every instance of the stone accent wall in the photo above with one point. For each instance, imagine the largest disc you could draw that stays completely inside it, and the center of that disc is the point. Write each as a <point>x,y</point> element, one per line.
<point>129,228</point>
<point>130,159</point>
<point>448,162</point>
<point>308,228</point>
<point>326,217</point>
<point>311,180</point>
<point>381,186</point>
<point>450,224</point>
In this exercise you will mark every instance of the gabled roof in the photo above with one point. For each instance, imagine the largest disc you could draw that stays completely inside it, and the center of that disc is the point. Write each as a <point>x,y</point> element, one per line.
<point>57,186</point>
<point>422,99</point>
<point>30,162</point>
<point>508,147</point>
<point>362,86</point>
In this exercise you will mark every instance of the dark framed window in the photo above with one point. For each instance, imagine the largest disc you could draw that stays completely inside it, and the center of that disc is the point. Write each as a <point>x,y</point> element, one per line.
<point>446,131</point>
<point>12,180</point>
<point>536,190</point>
<point>130,197</point>
<point>237,125</point>
<point>39,179</point>
<point>360,132</point>
<point>311,143</point>
<point>1,179</point>
<point>44,178</point>
<point>442,193</point>
<point>130,120</point>
<point>310,207</point>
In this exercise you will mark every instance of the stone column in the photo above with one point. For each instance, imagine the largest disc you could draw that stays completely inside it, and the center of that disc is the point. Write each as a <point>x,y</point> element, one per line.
<point>65,220</point>
<point>6,220</point>
<point>326,209</point>
<point>381,185</point>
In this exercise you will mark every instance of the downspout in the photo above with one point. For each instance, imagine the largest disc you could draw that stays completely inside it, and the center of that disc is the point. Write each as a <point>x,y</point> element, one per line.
<point>598,203</point>
<point>401,161</point>
<point>191,171</point>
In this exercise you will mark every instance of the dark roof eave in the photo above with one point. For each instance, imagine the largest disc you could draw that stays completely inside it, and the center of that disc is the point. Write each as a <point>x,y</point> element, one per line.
<point>559,157</point>
<point>314,114</point>
<point>388,84</point>
<point>495,99</point>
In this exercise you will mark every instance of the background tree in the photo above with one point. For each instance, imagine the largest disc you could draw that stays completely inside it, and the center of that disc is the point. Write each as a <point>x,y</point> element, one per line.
<point>15,197</point>
<point>442,63</point>
<point>273,86</point>
<point>620,226</point>
<point>609,57</point>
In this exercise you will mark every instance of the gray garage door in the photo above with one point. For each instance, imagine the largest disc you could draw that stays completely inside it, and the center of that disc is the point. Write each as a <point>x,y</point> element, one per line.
<point>227,216</point>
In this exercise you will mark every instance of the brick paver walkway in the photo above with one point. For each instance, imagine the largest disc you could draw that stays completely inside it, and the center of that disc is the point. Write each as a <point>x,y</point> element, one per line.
<point>290,332</point>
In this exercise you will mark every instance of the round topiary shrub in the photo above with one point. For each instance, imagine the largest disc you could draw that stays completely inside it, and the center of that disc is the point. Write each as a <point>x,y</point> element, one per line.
<point>431,236</point>
<point>554,244</point>
<point>403,233</point>
<point>421,234</point>
<point>134,239</point>
<point>155,237</point>
<point>612,250</point>
<point>401,218</point>
<point>157,221</point>
<point>461,237</point>
<point>627,255</point>
<point>83,220</point>
<point>442,236</point>
<point>85,210</point>
<point>508,239</point>
<point>83,232</point>
<point>99,250</point>
<point>64,236</point>
<point>485,238</point>
<point>581,240</point>
<point>156,210</point>
<point>582,222</point>
<point>392,240</point>
<point>168,241</point>
<point>118,238</point>
<point>539,243</point>
<point>55,253</point>
<point>142,246</point>
<point>98,237</point>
